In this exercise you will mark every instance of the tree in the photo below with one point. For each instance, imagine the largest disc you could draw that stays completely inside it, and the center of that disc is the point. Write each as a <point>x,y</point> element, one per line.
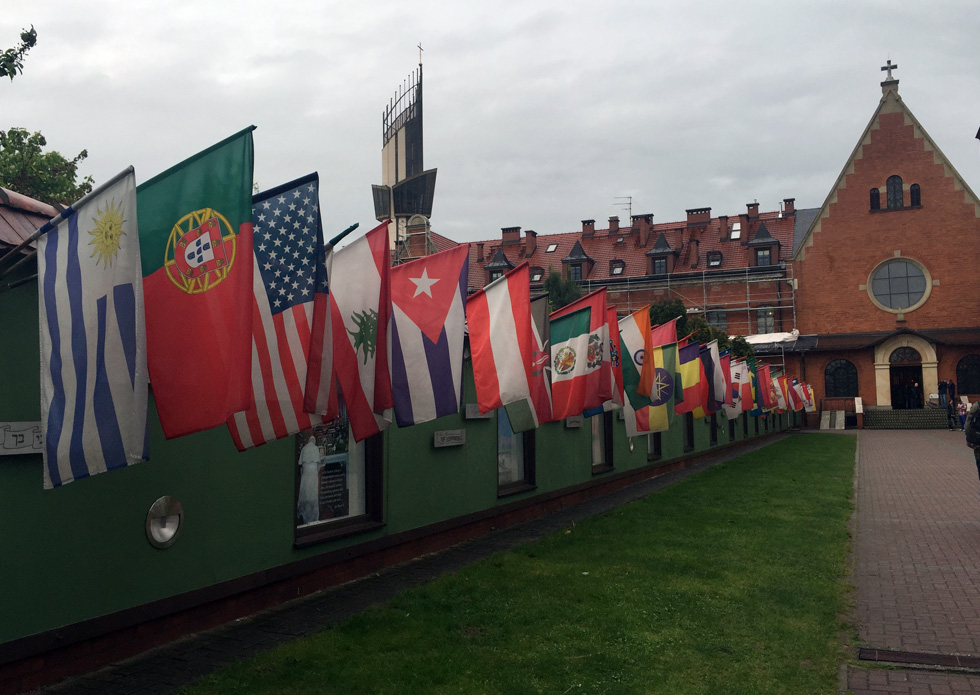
<point>561,292</point>
<point>697,327</point>
<point>667,309</point>
<point>12,60</point>
<point>45,176</point>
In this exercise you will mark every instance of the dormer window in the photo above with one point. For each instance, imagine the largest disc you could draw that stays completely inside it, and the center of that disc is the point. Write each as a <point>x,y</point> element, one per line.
<point>575,272</point>
<point>616,267</point>
<point>736,230</point>
<point>714,259</point>
<point>537,274</point>
<point>763,257</point>
<point>496,275</point>
<point>551,248</point>
<point>659,266</point>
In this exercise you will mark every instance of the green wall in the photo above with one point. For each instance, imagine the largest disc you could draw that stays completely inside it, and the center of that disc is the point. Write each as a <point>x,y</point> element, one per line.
<point>80,551</point>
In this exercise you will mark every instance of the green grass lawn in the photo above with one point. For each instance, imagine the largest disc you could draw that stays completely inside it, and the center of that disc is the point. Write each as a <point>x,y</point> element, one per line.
<point>729,582</point>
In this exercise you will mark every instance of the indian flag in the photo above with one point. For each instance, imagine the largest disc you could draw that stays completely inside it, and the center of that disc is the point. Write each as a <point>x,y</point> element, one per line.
<point>637,348</point>
<point>571,355</point>
<point>657,416</point>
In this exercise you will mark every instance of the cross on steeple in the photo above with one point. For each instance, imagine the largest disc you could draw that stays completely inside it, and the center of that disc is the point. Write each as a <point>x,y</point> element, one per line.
<point>889,67</point>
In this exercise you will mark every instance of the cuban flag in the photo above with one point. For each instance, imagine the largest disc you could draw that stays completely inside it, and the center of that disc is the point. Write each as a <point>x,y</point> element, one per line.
<point>93,336</point>
<point>428,328</point>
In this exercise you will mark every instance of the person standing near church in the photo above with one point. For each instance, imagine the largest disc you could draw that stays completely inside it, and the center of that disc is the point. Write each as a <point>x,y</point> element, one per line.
<point>951,390</point>
<point>942,393</point>
<point>961,410</point>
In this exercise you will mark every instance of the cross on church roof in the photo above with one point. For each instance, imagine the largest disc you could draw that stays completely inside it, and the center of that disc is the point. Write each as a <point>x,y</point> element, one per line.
<point>889,67</point>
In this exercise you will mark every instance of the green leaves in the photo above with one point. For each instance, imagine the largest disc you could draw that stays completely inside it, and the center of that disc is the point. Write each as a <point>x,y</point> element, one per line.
<point>46,176</point>
<point>12,60</point>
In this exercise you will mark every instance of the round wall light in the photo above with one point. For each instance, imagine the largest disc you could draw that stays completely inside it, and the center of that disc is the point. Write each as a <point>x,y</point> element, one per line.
<point>164,521</point>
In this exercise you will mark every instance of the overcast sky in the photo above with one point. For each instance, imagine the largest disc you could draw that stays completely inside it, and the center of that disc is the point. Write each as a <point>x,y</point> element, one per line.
<point>537,113</point>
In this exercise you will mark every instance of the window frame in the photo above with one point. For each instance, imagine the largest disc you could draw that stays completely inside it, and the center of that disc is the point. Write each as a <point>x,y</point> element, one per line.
<point>655,446</point>
<point>846,385</point>
<point>659,262</point>
<point>926,292</point>
<point>717,318</point>
<point>605,425</point>
<point>895,194</point>
<point>373,516</point>
<point>964,377</point>
<point>874,199</point>
<point>514,487</point>
<point>688,432</point>
<point>575,272</point>
<point>763,254</point>
<point>769,314</point>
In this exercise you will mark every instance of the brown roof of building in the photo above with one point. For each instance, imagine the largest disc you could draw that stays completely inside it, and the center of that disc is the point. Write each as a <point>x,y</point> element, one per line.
<point>628,246</point>
<point>21,216</point>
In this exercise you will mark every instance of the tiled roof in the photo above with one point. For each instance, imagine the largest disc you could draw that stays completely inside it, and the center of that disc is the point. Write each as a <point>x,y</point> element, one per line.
<point>631,245</point>
<point>21,216</point>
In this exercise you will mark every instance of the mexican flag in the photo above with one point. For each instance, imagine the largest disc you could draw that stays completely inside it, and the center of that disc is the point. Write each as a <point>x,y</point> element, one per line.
<point>570,363</point>
<point>195,230</point>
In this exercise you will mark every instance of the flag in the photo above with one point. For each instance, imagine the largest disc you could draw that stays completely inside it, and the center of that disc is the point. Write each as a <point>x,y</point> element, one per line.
<point>574,359</point>
<point>636,346</point>
<point>741,391</point>
<point>767,392</point>
<point>693,381</point>
<point>195,230</point>
<point>657,416</point>
<point>796,395</point>
<point>717,377</point>
<point>501,340</point>
<point>598,365</point>
<point>287,277</point>
<point>93,341</point>
<point>726,369</point>
<point>784,388</point>
<point>360,309</point>
<point>428,330</point>
<point>535,410</point>
<point>755,404</point>
<point>777,392</point>
<point>665,333</point>
<point>808,403</point>
<point>616,367</point>
<point>320,390</point>
<point>707,370</point>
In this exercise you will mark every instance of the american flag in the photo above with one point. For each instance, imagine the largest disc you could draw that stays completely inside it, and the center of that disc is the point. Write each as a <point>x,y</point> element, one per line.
<point>289,272</point>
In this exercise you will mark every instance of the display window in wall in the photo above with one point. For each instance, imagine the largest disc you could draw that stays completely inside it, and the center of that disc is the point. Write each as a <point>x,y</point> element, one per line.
<point>602,457</point>
<point>338,481</point>
<point>515,457</point>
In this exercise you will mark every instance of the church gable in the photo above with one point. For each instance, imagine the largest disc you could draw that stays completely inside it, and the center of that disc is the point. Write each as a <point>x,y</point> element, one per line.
<point>893,241</point>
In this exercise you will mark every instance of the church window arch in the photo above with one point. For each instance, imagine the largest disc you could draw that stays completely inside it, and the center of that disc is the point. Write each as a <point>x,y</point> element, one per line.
<point>875,199</point>
<point>968,374</point>
<point>915,195</point>
<point>894,186</point>
<point>841,379</point>
<point>905,354</point>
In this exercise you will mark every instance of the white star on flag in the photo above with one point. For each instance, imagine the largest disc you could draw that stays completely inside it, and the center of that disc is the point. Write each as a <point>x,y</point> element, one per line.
<point>424,283</point>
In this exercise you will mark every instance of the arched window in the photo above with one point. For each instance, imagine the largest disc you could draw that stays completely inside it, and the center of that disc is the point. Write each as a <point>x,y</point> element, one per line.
<point>905,354</point>
<point>875,199</point>
<point>915,196</point>
<point>841,379</point>
<point>894,192</point>
<point>968,374</point>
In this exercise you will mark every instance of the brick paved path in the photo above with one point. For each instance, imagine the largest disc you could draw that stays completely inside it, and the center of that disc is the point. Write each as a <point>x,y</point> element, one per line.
<point>917,557</point>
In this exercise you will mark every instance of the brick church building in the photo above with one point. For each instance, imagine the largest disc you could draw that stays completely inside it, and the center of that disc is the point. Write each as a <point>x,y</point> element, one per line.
<point>870,295</point>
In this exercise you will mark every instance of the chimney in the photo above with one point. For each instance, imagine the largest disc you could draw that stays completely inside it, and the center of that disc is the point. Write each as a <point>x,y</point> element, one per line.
<point>510,236</point>
<point>723,226</point>
<point>588,228</point>
<point>642,224</point>
<point>698,217</point>
<point>789,206</point>
<point>530,242</point>
<point>744,222</point>
<point>613,224</point>
<point>479,252</point>
<point>753,210</point>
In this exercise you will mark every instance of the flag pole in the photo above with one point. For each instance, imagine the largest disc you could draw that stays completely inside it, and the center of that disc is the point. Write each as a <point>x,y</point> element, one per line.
<point>337,239</point>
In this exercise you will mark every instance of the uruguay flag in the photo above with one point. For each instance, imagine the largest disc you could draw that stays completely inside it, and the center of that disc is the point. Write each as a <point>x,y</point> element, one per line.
<point>428,327</point>
<point>93,336</point>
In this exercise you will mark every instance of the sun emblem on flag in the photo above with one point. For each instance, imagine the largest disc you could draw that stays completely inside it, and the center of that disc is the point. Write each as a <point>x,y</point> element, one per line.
<point>200,251</point>
<point>107,234</point>
<point>565,360</point>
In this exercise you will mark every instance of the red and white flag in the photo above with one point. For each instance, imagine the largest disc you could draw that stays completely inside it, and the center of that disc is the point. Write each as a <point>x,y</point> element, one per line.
<point>597,362</point>
<point>502,340</point>
<point>360,309</point>
<point>287,276</point>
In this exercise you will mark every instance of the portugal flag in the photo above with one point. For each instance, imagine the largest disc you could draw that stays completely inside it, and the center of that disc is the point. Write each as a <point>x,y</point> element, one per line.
<point>195,230</point>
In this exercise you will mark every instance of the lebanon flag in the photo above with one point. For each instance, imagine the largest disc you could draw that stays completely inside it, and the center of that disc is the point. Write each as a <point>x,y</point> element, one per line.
<point>502,340</point>
<point>195,231</point>
<point>574,360</point>
<point>531,412</point>
<point>598,365</point>
<point>428,329</point>
<point>360,309</point>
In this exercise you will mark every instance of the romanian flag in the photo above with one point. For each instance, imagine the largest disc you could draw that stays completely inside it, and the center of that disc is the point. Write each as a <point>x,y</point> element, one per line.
<point>195,230</point>
<point>693,381</point>
<point>657,416</point>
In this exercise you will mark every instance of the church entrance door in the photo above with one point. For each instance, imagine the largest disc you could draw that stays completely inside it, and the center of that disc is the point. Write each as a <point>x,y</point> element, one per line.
<point>906,382</point>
